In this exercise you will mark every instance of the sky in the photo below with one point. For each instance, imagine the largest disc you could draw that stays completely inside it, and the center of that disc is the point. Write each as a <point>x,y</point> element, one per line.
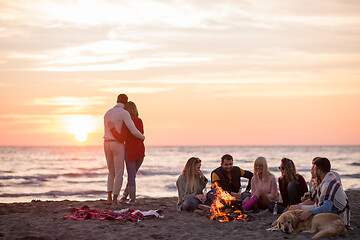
<point>200,72</point>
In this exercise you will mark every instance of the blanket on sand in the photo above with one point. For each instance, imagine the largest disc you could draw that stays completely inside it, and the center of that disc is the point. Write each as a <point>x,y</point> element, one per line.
<point>126,214</point>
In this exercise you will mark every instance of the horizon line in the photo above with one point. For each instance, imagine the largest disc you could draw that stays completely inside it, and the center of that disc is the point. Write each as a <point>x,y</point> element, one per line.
<point>231,145</point>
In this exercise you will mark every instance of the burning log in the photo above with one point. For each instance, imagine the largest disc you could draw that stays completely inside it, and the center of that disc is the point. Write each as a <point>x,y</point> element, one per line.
<point>226,208</point>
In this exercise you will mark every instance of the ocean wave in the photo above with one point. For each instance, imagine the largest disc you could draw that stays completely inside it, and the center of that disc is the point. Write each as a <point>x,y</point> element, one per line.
<point>46,177</point>
<point>171,186</point>
<point>355,164</point>
<point>85,174</point>
<point>153,173</point>
<point>356,175</point>
<point>38,177</point>
<point>54,193</point>
<point>274,169</point>
<point>87,182</point>
<point>82,159</point>
<point>29,182</point>
<point>9,177</point>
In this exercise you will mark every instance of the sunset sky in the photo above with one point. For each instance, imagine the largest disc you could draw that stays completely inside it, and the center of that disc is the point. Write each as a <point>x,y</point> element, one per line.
<point>201,72</point>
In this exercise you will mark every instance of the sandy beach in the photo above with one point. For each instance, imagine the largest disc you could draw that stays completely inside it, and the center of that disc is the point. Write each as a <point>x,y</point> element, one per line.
<point>44,220</point>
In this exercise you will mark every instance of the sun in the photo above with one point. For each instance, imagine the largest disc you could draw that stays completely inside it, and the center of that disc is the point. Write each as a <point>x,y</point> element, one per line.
<point>81,137</point>
<point>81,126</point>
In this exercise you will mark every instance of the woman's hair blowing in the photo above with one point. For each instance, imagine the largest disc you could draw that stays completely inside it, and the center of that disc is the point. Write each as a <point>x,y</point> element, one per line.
<point>190,174</point>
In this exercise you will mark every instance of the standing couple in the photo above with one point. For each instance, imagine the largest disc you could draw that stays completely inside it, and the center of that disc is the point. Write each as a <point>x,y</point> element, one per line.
<point>123,142</point>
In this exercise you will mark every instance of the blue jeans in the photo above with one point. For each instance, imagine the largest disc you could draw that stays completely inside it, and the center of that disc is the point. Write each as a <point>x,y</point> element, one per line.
<point>132,167</point>
<point>245,196</point>
<point>190,204</point>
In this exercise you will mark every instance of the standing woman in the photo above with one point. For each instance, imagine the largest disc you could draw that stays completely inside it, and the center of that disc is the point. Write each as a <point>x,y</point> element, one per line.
<point>263,186</point>
<point>190,185</point>
<point>134,151</point>
<point>292,185</point>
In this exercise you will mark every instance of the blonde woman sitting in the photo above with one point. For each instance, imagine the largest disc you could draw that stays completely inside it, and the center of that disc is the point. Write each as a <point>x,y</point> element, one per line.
<point>263,187</point>
<point>190,185</point>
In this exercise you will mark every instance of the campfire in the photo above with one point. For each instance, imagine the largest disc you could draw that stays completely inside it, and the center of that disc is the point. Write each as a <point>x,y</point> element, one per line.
<point>225,208</point>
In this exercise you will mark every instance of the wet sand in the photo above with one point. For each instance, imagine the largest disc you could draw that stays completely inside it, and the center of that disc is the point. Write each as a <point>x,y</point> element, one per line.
<point>44,220</point>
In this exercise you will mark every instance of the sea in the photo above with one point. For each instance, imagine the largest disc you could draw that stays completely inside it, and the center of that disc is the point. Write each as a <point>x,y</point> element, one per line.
<point>80,173</point>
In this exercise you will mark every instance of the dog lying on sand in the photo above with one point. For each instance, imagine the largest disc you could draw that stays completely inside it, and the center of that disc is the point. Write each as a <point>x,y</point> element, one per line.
<point>322,224</point>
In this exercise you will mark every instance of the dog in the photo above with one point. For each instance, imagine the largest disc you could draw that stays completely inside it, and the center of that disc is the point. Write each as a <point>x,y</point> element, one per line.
<point>322,224</point>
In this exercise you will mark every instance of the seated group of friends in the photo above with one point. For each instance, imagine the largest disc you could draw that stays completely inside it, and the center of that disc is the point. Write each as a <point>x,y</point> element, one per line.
<point>325,193</point>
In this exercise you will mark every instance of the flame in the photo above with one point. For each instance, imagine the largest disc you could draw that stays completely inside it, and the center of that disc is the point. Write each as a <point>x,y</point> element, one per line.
<point>218,208</point>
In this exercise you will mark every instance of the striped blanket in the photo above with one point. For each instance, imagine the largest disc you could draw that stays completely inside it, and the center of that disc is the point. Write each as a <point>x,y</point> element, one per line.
<point>331,189</point>
<point>125,214</point>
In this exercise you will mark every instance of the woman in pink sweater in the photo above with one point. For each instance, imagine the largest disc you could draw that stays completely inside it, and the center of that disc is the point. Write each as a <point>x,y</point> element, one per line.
<point>263,187</point>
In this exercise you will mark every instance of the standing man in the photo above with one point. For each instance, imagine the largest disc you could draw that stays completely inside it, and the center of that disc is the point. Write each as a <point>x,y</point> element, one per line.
<point>228,177</point>
<point>331,197</point>
<point>114,150</point>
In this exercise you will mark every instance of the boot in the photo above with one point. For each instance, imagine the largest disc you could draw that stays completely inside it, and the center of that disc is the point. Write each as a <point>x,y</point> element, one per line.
<point>251,203</point>
<point>132,193</point>
<point>125,195</point>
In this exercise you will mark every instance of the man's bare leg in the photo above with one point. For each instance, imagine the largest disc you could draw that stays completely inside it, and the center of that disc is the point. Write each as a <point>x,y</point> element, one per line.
<point>109,198</point>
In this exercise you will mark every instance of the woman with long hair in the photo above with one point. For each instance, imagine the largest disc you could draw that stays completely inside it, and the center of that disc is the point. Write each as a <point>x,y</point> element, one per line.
<point>134,151</point>
<point>190,185</point>
<point>263,186</point>
<point>292,185</point>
